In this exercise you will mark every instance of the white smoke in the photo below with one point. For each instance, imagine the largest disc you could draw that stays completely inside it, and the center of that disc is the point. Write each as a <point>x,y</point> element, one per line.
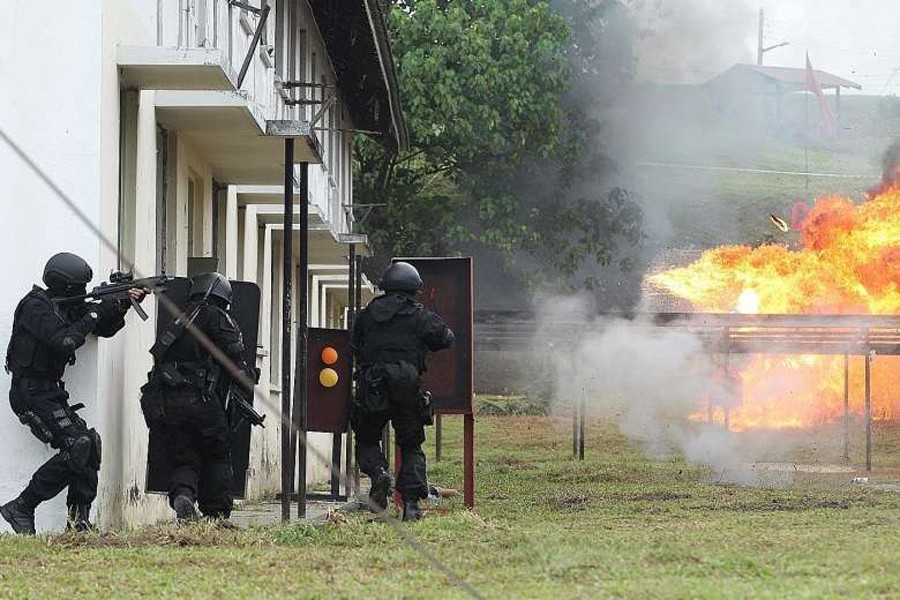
<point>691,41</point>
<point>653,383</point>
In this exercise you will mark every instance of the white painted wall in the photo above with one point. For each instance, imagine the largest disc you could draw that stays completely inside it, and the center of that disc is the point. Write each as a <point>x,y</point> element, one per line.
<point>60,103</point>
<point>51,105</point>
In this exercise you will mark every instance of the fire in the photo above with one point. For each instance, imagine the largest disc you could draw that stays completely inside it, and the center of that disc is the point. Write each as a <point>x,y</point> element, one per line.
<point>848,263</point>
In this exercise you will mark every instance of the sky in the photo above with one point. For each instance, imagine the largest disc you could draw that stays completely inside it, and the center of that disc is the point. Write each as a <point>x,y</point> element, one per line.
<point>690,41</point>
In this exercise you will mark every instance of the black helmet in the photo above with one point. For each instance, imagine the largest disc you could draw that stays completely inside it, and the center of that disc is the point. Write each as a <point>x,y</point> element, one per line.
<point>214,283</point>
<point>67,274</point>
<point>401,277</point>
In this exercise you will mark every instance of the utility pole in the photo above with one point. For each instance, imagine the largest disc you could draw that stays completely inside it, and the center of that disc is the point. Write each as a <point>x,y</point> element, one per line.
<point>760,49</point>
<point>759,42</point>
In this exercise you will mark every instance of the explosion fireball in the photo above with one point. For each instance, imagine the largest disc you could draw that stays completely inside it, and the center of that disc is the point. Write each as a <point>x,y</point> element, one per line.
<point>849,263</point>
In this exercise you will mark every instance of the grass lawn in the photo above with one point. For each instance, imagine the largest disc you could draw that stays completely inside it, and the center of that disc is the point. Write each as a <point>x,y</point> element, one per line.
<point>615,525</point>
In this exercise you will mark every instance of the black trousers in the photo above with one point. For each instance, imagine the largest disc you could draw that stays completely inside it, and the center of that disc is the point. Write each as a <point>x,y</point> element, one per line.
<point>405,415</point>
<point>47,401</point>
<point>196,437</point>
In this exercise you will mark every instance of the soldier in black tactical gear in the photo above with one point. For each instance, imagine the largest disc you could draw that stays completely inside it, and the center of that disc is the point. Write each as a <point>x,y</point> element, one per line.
<point>390,340</point>
<point>181,403</point>
<point>45,336</point>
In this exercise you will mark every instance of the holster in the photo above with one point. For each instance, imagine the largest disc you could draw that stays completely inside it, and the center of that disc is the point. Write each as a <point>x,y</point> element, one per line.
<point>37,426</point>
<point>427,408</point>
<point>153,403</point>
<point>374,393</point>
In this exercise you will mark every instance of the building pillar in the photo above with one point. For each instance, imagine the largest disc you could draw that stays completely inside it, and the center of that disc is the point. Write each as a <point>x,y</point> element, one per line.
<point>251,244</point>
<point>231,233</point>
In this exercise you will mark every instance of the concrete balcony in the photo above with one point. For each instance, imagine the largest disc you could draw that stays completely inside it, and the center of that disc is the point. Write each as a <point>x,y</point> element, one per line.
<point>156,68</point>
<point>233,135</point>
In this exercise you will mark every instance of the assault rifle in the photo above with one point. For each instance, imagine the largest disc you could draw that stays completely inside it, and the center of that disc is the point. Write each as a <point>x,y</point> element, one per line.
<point>117,289</point>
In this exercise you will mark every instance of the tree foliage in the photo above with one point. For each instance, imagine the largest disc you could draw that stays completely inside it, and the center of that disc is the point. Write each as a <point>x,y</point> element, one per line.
<point>486,87</point>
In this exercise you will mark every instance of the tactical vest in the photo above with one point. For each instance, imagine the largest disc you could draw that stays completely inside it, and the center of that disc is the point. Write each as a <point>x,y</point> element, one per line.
<point>28,356</point>
<point>394,340</point>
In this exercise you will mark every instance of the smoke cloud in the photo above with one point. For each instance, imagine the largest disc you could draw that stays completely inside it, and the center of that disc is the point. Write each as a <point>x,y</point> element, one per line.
<point>690,41</point>
<point>654,383</point>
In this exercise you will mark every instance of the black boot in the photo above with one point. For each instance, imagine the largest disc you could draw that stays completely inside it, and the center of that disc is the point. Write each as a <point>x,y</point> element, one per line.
<point>19,516</point>
<point>411,510</point>
<point>80,518</point>
<point>184,509</point>
<point>380,490</point>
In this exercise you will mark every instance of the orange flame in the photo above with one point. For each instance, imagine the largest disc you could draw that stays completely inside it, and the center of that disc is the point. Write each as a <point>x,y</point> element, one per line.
<point>849,263</point>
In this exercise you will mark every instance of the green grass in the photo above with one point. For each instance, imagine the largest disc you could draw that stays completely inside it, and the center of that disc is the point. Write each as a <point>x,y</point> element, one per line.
<point>545,526</point>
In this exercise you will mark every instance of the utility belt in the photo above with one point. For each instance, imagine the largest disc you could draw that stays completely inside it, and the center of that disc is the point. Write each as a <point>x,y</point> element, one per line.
<point>183,374</point>
<point>57,416</point>
<point>174,375</point>
<point>41,384</point>
<point>384,385</point>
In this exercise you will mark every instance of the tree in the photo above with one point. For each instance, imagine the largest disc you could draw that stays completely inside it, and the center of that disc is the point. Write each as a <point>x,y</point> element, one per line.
<point>497,141</point>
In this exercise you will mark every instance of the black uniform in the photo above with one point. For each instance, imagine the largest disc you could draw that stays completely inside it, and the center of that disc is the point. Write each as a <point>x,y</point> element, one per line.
<point>43,342</point>
<point>193,424</point>
<point>390,340</point>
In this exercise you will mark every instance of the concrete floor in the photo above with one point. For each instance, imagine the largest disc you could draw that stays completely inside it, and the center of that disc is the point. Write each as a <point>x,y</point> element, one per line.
<point>269,513</point>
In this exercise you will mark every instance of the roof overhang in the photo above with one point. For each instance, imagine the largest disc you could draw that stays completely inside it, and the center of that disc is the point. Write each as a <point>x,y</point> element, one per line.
<point>233,136</point>
<point>158,68</point>
<point>356,37</point>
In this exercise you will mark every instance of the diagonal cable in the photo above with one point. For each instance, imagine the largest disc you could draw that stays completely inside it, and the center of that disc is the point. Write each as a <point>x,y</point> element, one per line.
<point>240,377</point>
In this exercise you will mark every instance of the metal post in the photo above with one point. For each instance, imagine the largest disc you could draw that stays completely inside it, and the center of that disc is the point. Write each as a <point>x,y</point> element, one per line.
<point>287,456</point>
<point>574,428</point>
<point>398,464</point>
<point>437,438</point>
<point>759,39</point>
<point>581,420</point>
<point>358,285</point>
<point>469,460</point>
<point>263,14</point>
<point>351,319</point>
<point>336,448</point>
<point>300,391</point>
<point>868,411</point>
<point>846,407</point>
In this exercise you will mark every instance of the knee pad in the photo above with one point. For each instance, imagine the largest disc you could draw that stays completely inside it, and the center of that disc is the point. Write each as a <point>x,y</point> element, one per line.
<point>79,451</point>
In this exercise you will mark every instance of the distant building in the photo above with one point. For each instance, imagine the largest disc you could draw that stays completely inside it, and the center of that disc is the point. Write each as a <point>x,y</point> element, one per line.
<point>760,94</point>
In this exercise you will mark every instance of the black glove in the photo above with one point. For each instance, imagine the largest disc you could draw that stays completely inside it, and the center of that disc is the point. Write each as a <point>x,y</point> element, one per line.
<point>110,309</point>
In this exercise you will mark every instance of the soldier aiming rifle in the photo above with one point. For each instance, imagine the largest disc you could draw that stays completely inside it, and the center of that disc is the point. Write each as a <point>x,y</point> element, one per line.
<point>48,327</point>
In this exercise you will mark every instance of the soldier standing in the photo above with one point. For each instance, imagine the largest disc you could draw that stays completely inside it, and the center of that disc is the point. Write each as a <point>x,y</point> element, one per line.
<point>45,336</point>
<point>390,339</point>
<point>180,401</point>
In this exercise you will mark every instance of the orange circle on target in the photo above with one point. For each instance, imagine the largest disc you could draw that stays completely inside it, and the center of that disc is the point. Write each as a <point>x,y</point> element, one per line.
<point>329,355</point>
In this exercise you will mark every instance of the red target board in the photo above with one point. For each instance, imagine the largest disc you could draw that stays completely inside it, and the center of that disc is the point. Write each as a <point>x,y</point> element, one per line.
<point>448,292</point>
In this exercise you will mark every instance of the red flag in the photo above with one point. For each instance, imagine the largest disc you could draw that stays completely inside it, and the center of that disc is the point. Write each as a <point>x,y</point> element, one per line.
<point>812,84</point>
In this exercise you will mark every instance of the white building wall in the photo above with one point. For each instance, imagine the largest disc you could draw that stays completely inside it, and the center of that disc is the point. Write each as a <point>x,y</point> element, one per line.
<point>59,126</point>
<point>61,105</point>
